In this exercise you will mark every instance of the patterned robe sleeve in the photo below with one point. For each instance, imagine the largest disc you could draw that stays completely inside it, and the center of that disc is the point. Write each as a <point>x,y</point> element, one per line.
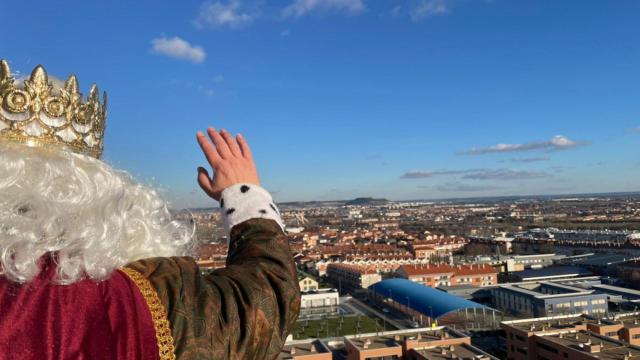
<point>243,311</point>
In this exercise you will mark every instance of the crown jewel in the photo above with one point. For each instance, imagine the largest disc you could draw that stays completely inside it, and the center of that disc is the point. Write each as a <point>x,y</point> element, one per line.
<point>36,113</point>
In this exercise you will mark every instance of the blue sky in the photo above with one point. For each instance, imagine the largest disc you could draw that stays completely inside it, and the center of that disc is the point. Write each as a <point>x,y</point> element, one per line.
<point>403,99</point>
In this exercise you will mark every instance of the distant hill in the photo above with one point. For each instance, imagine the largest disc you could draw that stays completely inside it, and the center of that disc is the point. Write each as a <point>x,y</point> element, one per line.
<point>464,200</point>
<point>367,201</point>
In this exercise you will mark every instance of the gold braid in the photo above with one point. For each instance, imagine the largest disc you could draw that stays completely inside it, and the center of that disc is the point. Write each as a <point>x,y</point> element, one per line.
<point>164,338</point>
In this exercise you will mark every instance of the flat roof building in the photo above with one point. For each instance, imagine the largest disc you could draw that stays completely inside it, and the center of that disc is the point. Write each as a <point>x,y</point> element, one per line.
<point>540,299</point>
<point>436,343</point>
<point>569,337</point>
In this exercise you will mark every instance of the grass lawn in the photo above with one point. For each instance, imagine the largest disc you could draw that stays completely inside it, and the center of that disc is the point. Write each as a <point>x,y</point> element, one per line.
<point>318,328</point>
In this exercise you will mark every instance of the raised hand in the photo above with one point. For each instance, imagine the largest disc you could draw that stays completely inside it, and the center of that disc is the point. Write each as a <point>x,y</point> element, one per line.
<point>230,159</point>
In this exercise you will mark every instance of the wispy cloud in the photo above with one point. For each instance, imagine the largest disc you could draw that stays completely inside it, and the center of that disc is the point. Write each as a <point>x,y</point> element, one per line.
<point>478,174</point>
<point>420,174</point>
<point>427,8</point>
<point>505,174</point>
<point>635,130</point>
<point>558,142</point>
<point>300,8</point>
<point>178,48</point>
<point>530,159</point>
<point>461,187</point>
<point>218,79</point>
<point>218,14</point>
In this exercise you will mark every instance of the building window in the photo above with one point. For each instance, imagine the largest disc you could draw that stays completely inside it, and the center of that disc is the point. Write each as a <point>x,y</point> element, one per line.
<point>548,348</point>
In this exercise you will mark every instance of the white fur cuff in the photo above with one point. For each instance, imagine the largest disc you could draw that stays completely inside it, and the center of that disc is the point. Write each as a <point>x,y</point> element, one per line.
<point>241,202</point>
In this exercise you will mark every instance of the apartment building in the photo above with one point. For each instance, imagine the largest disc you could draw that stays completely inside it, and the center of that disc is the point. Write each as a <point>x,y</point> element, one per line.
<point>351,276</point>
<point>435,275</point>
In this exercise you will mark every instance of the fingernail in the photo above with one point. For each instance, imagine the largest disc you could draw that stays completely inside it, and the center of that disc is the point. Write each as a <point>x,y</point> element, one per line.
<point>239,135</point>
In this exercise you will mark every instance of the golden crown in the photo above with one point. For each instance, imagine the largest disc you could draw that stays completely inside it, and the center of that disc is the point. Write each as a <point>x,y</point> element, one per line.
<point>36,113</point>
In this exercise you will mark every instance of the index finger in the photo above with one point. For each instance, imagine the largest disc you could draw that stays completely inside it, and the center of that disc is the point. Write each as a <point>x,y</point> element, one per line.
<point>244,147</point>
<point>210,152</point>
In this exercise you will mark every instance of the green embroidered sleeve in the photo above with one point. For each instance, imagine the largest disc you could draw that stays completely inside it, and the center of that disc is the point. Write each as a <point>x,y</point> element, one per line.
<point>243,311</point>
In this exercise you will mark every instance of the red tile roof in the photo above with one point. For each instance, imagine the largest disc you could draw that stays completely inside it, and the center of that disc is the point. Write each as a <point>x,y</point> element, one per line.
<point>457,270</point>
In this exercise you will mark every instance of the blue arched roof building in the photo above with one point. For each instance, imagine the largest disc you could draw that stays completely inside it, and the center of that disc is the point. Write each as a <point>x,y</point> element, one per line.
<point>424,299</point>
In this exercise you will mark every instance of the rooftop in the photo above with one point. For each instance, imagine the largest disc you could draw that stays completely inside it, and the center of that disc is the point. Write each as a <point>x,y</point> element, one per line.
<point>546,290</point>
<point>462,351</point>
<point>600,346</point>
<point>430,269</point>
<point>355,268</point>
<point>376,342</point>
<point>301,349</point>
<point>551,272</point>
<point>422,298</point>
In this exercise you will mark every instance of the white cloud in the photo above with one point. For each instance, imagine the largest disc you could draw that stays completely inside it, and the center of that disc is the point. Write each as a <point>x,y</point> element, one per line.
<point>428,8</point>
<point>505,174</point>
<point>461,187</point>
<point>530,159</point>
<point>395,12</point>
<point>420,174</point>
<point>178,48</point>
<point>220,14</point>
<point>300,8</point>
<point>557,142</point>
<point>478,174</point>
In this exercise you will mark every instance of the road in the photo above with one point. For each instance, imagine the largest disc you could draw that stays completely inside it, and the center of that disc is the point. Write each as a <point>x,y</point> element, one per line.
<point>370,311</point>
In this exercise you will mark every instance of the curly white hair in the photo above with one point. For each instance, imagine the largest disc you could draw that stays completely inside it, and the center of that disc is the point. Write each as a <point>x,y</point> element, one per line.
<point>92,217</point>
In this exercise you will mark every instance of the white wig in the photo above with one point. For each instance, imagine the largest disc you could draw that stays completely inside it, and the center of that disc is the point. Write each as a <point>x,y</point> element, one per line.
<point>95,218</point>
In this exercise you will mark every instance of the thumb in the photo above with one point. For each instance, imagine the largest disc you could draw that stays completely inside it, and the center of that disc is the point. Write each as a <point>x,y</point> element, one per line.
<point>205,182</point>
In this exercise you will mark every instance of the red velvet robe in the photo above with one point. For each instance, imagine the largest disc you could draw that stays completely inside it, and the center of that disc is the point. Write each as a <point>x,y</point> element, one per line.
<point>86,320</point>
<point>161,308</point>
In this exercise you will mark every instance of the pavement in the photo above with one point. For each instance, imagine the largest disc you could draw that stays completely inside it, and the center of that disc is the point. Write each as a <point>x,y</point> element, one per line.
<point>370,311</point>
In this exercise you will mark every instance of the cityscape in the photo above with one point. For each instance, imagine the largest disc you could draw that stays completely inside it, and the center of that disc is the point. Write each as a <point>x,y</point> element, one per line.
<point>487,278</point>
<point>456,179</point>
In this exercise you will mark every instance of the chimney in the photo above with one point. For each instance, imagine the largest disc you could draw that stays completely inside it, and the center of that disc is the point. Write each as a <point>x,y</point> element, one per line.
<point>593,348</point>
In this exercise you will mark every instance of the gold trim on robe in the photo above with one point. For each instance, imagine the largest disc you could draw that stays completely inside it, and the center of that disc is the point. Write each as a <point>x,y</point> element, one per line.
<point>166,349</point>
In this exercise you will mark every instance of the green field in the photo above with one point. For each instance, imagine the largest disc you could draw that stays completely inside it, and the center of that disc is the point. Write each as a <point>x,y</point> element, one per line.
<point>348,325</point>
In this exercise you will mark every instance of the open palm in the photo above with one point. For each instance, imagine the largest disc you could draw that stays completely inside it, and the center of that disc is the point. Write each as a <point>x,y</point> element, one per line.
<point>231,161</point>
